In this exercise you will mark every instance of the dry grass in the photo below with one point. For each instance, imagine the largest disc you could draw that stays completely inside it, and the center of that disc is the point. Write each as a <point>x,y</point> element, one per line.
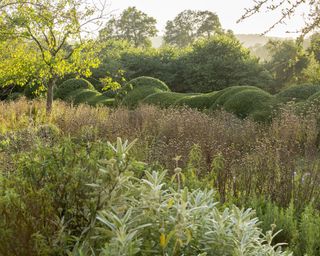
<point>280,159</point>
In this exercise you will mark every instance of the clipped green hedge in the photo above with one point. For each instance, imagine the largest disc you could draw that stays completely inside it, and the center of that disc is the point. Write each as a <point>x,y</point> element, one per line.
<point>164,99</point>
<point>298,92</point>
<point>101,100</point>
<point>85,96</point>
<point>314,97</point>
<point>72,85</point>
<point>224,95</point>
<point>139,88</point>
<point>250,102</point>
<point>200,102</point>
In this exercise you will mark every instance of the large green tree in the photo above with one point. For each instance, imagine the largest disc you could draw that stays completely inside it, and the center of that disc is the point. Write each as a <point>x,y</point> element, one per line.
<point>218,63</point>
<point>189,25</point>
<point>288,60</point>
<point>132,25</point>
<point>315,46</point>
<point>55,32</point>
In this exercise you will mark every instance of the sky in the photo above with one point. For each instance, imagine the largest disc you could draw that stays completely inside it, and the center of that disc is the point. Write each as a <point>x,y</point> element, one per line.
<point>228,11</point>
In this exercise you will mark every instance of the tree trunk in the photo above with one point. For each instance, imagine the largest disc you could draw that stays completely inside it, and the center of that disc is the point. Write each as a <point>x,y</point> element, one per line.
<point>51,85</point>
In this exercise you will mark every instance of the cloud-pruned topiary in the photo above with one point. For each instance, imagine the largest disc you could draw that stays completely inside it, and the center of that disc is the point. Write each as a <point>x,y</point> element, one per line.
<point>164,99</point>
<point>70,86</point>
<point>250,102</point>
<point>298,92</point>
<point>200,101</point>
<point>80,91</point>
<point>224,95</point>
<point>139,88</point>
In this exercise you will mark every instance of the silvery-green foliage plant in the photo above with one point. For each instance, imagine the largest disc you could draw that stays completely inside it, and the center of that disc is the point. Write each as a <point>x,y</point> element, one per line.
<point>156,217</point>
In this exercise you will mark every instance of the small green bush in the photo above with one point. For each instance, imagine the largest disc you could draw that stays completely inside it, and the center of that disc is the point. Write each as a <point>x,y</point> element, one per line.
<point>139,88</point>
<point>298,92</point>
<point>71,85</point>
<point>249,102</point>
<point>164,99</point>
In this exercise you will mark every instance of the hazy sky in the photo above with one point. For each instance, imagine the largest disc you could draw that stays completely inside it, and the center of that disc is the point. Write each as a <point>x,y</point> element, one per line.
<point>228,11</point>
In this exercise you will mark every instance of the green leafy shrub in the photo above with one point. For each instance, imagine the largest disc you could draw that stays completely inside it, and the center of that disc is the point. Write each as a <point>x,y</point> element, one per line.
<point>309,242</point>
<point>164,99</point>
<point>249,102</point>
<point>139,88</point>
<point>71,85</point>
<point>298,92</point>
<point>44,193</point>
<point>177,222</point>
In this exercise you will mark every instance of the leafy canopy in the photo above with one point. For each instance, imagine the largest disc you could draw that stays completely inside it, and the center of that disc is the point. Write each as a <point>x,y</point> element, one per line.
<point>190,25</point>
<point>56,30</point>
<point>133,25</point>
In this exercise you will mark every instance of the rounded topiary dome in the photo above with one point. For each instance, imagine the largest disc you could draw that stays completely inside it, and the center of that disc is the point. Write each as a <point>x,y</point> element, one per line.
<point>70,86</point>
<point>298,92</point>
<point>249,101</point>
<point>139,88</point>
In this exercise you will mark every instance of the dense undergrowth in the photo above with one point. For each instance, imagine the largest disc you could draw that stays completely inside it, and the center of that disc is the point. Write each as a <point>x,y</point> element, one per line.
<point>59,173</point>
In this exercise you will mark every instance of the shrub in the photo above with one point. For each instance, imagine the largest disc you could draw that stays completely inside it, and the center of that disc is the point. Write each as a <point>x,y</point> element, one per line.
<point>248,102</point>
<point>164,99</point>
<point>139,88</point>
<point>85,96</point>
<point>71,85</point>
<point>15,95</point>
<point>298,92</point>
<point>315,97</point>
<point>200,101</point>
<point>225,94</point>
<point>101,100</point>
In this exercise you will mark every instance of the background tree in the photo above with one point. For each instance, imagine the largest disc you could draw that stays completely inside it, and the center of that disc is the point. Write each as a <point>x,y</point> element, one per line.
<point>190,25</point>
<point>288,60</point>
<point>133,25</point>
<point>218,63</point>
<point>315,46</point>
<point>56,30</point>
